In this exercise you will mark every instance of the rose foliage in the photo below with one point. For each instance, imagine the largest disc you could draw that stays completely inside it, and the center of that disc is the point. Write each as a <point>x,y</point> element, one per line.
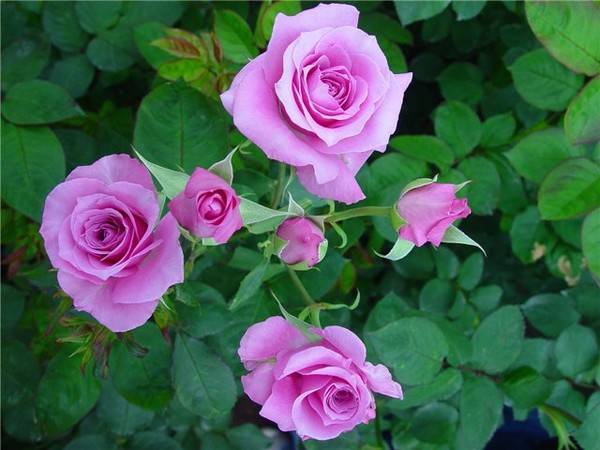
<point>234,225</point>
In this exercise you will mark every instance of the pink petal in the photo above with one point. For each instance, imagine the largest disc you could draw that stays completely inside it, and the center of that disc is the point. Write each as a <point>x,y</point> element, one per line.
<point>278,407</point>
<point>160,270</point>
<point>96,300</point>
<point>345,341</point>
<point>264,340</point>
<point>259,383</point>
<point>287,28</point>
<point>113,168</point>
<point>307,358</point>
<point>380,380</point>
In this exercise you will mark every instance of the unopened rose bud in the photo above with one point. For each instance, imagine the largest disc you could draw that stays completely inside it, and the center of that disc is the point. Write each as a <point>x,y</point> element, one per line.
<point>302,242</point>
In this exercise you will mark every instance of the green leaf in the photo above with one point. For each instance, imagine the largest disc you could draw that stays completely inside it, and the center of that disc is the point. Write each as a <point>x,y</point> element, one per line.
<point>247,437</point>
<point>24,59</point>
<point>96,17</point>
<point>458,125</point>
<point>569,31</point>
<point>426,148</point>
<point>530,239</point>
<point>550,313</point>
<point>526,388</point>
<point>179,128</point>
<point>582,121</point>
<point>65,394</point>
<point>393,54</point>
<point>483,192</point>
<point>32,164</point>
<point>144,35</point>
<point>203,383</point>
<point>486,298</point>
<point>74,73</point>
<point>544,82</point>
<point>512,192</point>
<point>144,380</point>
<point>381,25</point>
<point>172,181</point>
<point>249,285</point>
<point>497,130</point>
<point>576,350</point>
<point>62,26</point>
<point>122,417</point>
<point>400,249</point>
<point>590,241</point>
<point>38,102</point>
<point>446,263</point>
<point>112,51</point>
<point>444,385</point>
<point>152,440</point>
<point>478,419</point>
<point>497,341</point>
<point>90,442</point>
<point>537,154</point>
<point>462,82</point>
<point>535,353</point>
<point>20,371</point>
<point>470,272</point>
<point>266,17</point>
<point>413,348</point>
<point>414,11</point>
<point>466,10</point>
<point>570,189</point>
<point>235,36</point>
<point>434,423</point>
<point>436,296</point>
<point>588,435</point>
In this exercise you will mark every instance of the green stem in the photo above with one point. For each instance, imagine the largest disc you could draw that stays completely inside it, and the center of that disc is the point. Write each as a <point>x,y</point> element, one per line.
<point>314,310</point>
<point>378,435</point>
<point>358,212</point>
<point>279,187</point>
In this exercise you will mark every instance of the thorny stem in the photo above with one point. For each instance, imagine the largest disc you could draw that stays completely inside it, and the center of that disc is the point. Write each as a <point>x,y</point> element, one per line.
<point>358,212</point>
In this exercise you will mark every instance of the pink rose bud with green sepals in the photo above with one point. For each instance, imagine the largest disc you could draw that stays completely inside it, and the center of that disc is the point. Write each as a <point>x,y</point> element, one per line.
<point>301,242</point>
<point>428,211</point>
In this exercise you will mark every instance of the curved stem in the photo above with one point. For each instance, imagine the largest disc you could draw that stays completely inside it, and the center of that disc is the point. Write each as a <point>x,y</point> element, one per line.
<point>358,212</point>
<point>298,283</point>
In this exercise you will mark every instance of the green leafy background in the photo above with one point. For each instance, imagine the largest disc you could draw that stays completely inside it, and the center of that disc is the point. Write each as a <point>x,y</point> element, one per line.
<point>506,94</point>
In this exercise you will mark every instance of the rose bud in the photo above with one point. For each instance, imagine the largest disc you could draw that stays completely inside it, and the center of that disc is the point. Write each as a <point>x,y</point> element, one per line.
<point>318,389</point>
<point>300,242</point>
<point>428,211</point>
<point>208,207</point>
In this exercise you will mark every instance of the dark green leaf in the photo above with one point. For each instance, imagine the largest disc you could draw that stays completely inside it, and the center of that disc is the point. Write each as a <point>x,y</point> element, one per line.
<point>20,371</point>
<point>466,10</point>
<point>497,130</point>
<point>576,350</point>
<point>74,73</point>
<point>436,296</point>
<point>62,26</point>
<point>412,347</point>
<point>427,148</point>
<point>458,125</point>
<point>95,17</point>
<point>444,385</point>
<point>32,164</point>
<point>550,313</point>
<point>570,189</point>
<point>24,59</point>
<point>38,102</point>
<point>177,127</point>
<point>497,341</point>
<point>414,11</point>
<point>122,417</point>
<point>582,121</point>
<point>203,383</point>
<point>525,387</point>
<point>462,82</point>
<point>590,240</point>
<point>435,423</point>
<point>152,440</point>
<point>484,190</point>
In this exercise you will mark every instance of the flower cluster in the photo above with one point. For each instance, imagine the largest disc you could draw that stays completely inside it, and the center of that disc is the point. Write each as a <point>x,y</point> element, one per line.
<point>324,91</point>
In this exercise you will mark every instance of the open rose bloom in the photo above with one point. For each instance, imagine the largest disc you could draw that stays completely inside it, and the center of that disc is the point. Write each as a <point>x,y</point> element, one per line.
<point>319,389</point>
<point>321,98</point>
<point>102,231</point>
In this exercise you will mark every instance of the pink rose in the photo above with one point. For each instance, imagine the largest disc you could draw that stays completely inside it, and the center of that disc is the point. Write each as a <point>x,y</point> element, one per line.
<point>428,211</point>
<point>318,389</point>
<point>321,98</point>
<point>100,231</point>
<point>302,242</point>
<point>208,207</point>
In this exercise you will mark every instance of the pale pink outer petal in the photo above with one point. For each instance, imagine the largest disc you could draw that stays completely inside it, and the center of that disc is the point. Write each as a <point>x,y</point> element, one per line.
<point>160,270</point>
<point>264,340</point>
<point>380,380</point>
<point>259,383</point>
<point>345,341</point>
<point>287,28</point>
<point>228,97</point>
<point>96,300</point>
<point>307,358</point>
<point>262,123</point>
<point>113,168</point>
<point>278,407</point>
<point>344,188</point>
